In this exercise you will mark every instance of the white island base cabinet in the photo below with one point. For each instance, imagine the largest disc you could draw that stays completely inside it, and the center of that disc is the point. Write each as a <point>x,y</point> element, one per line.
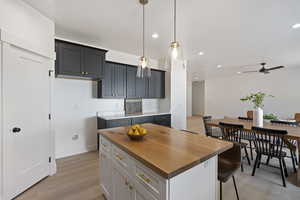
<point>124,178</point>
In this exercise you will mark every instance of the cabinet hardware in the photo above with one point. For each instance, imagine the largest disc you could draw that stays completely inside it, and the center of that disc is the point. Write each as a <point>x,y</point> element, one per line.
<point>82,73</point>
<point>130,187</point>
<point>16,130</point>
<point>119,157</point>
<point>144,178</point>
<point>86,73</point>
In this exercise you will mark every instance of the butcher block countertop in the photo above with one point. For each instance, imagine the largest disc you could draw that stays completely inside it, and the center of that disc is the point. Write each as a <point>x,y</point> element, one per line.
<point>167,151</point>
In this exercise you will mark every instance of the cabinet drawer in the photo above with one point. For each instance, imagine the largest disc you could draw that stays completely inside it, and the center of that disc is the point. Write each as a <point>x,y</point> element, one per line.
<point>105,145</point>
<point>149,180</point>
<point>164,120</point>
<point>122,158</point>
<point>118,123</point>
<point>142,120</point>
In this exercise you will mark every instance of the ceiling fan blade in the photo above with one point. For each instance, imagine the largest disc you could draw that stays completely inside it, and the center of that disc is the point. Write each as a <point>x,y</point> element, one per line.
<point>246,72</point>
<point>274,68</point>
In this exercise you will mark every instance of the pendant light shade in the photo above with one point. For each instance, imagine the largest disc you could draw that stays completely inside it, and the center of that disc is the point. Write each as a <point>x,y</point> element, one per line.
<point>175,49</point>
<point>143,69</point>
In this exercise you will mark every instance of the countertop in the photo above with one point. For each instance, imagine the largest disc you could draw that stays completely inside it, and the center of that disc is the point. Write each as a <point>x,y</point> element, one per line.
<point>123,115</point>
<point>167,151</point>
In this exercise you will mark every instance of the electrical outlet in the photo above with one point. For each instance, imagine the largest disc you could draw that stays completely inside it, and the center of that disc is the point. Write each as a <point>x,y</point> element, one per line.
<point>75,137</point>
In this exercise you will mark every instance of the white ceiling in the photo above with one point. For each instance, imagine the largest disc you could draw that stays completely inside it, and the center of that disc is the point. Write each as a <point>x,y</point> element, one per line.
<point>232,33</point>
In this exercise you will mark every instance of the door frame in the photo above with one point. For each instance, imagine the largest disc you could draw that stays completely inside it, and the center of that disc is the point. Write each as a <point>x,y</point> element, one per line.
<point>10,39</point>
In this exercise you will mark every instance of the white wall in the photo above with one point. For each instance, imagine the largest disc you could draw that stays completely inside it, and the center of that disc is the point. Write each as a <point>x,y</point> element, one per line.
<point>25,23</point>
<point>189,96</point>
<point>76,108</point>
<point>198,98</point>
<point>223,94</point>
<point>178,95</point>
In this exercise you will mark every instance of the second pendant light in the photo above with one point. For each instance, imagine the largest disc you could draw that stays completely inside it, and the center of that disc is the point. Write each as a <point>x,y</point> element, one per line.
<point>143,68</point>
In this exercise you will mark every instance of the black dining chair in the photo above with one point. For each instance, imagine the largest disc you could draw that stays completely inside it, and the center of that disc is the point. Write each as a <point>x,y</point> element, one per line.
<point>248,136</point>
<point>233,133</point>
<point>208,129</point>
<point>292,146</point>
<point>228,163</point>
<point>269,142</point>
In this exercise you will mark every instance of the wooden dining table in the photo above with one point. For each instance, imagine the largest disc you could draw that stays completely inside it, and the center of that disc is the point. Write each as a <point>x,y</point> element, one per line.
<point>293,133</point>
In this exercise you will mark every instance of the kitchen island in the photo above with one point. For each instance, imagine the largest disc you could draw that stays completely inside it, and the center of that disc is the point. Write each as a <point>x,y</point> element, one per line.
<point>167,165</point>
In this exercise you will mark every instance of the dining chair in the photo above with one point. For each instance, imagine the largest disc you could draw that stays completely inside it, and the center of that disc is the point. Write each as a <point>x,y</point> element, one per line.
<point>228,163</point>
<point>247,136</point>
<point>250,114</point>
<point>232,133</point>
<point>208,129</point>
<point>292,146</point>
<point>297,117</point>
<point>269,142</point>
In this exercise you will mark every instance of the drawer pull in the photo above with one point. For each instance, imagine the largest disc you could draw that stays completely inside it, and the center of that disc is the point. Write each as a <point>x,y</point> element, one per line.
<point>119,157</point>
<point>144,178</point>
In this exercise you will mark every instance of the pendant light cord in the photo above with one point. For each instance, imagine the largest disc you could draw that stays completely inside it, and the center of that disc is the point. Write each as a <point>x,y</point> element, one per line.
<point>143,30</point>
<point>175,15</point>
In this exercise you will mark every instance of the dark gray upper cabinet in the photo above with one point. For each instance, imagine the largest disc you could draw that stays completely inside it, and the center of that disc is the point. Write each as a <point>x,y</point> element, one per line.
<point>113,84</point>
<point>157,84</point>
<point>120,81</point>
<point>136,87</point>
<point>75,60</point>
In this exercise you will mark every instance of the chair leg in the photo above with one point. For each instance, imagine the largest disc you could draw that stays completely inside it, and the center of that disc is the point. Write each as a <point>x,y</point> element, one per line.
<point>259,161</point>
<point>255,165</point>
<point>247,156</point>
<point>221,195</point>
<point>281,171</point>
<point>295,156</point>
<point>236,191</point>
<point>268,160</point>
<point>242,167</point>
<point>251,150</point>
<point>293,160</point>
<point>284,167</point>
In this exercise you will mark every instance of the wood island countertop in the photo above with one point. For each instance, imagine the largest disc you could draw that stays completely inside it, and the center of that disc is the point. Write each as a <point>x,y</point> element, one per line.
<point>167,151</point>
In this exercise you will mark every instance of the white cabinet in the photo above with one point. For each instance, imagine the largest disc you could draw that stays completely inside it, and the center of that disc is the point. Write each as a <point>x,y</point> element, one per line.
<point>105,174</point>
<point>124,178</point>
<point>123,188</point>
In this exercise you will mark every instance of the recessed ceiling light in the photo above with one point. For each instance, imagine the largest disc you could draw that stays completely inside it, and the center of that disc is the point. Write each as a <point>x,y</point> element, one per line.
<point>239,72</point>
<point>155,35</point>
<point>201,53</point>
<point>295,26</point>
<point>219,66</point>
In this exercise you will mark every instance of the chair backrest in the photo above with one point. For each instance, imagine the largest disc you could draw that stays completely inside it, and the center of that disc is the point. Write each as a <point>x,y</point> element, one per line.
<point>268,141</point>
<point>208,129</point>
<point>232,155</point>
<point>250,114</point>
<point>297,117</point>
<point>288,123</point>
<point>245,118</point>
<point>231,132</point>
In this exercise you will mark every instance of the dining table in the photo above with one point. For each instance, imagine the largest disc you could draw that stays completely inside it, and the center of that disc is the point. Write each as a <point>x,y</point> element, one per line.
<point>293,133</point>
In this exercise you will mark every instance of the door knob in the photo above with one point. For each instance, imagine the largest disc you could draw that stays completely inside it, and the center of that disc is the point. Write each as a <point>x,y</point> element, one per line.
<point>16,130</point>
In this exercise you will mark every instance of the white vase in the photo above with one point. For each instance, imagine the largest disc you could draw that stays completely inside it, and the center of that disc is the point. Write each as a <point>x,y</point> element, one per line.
<point>258,118</point>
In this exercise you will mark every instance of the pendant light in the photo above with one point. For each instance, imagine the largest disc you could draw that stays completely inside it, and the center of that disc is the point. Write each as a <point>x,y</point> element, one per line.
<point>143,68</point>
<point>175,51</point>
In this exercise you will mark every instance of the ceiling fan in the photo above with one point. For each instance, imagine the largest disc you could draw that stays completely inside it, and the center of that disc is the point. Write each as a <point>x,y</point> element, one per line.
<point>263,69</point>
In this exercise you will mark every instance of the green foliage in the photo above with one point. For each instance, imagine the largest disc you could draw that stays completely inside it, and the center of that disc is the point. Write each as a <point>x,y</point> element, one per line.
<point>257,99</point>
<point>270,116</point>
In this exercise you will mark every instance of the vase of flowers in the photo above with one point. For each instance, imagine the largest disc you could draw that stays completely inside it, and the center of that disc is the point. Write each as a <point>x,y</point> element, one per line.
<point>257,99</point>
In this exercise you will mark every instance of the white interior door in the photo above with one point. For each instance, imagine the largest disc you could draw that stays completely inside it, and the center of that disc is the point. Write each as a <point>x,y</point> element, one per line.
<point>26,91</point>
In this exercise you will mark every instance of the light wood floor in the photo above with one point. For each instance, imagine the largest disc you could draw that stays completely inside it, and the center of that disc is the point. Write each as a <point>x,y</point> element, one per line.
<point>78,179</point>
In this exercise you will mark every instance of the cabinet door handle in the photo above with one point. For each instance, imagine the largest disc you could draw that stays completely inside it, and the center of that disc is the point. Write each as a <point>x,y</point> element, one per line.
<point>119,157</point>
<point>82,73</point>
<point>86,73</point>
<point>144,178</point>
